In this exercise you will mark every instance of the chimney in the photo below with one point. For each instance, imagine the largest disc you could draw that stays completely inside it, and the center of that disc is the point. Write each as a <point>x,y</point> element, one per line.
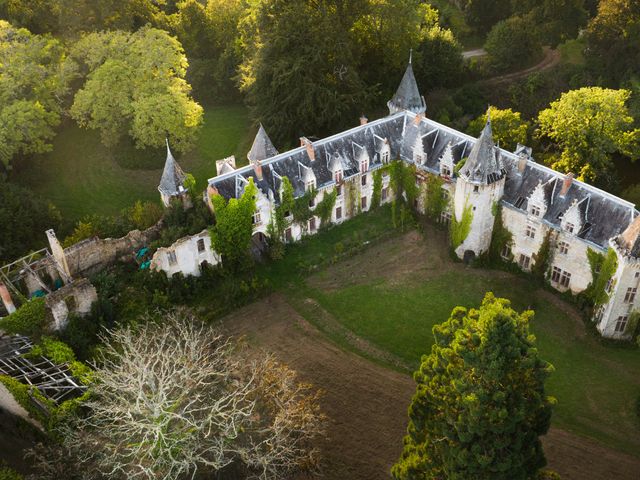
<point>522,163</point>
<point>59,256</point>
<point>257,169</point>
<point>363,120</point>
<point>305,142</point>
<point>418,119</point>
<point>6,299</point>
<point>568,180</point>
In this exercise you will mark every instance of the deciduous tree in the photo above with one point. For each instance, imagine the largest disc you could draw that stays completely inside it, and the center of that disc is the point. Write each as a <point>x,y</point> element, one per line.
<point>135,86</point>
<point>589,125</point>
<point>512,43</point>
<point>480,403</point>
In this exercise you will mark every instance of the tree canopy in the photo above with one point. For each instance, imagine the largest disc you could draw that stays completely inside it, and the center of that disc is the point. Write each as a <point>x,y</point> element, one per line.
<point>134,85</point>
<point>480,403</point>
<point>512,43</point>
<point>32,81</point>
<point>509,128</point>
<point>589,125</point>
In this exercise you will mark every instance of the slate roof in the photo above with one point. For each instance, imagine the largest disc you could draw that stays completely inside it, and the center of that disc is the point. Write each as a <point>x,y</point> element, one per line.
<point>603,215</point>
<point>407,96</point>
<point>172,175</point>
<point>483,165</point>
<point>262,147</point>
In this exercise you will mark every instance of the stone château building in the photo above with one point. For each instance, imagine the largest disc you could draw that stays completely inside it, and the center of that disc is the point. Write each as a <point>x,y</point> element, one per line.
<point>534,201</point>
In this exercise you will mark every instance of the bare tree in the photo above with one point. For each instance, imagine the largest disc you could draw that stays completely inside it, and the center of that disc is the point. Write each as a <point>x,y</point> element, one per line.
<point>176,397</point>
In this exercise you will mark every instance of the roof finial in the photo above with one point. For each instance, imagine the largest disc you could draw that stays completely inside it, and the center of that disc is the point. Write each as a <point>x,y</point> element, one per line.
<point>410,55</point>
<point>489,114</point>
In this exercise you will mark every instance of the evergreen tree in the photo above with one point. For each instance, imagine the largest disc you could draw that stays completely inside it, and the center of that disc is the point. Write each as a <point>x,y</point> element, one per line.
<point>480,403</point>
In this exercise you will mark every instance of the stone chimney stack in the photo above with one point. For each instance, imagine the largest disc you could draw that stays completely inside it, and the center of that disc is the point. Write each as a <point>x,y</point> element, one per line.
<point>566,184</point>
<point>7,301</point>
<point>58,254</point>
<point>363,120</point>
<point>522,163</point>
<point>257,169</point>
<point>305,142</point>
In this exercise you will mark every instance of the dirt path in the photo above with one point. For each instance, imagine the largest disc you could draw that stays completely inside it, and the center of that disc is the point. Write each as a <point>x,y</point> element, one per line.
<point>367,403</point>
<point>550,60</point>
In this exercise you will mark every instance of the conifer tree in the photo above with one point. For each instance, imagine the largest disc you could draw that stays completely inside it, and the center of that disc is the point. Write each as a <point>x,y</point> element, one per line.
<point>480,403</point>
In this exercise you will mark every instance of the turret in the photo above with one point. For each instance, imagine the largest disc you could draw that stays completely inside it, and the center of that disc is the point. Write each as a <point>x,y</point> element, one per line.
<point>480,186</point>
<point>407,96</point>
<point>172,180</point>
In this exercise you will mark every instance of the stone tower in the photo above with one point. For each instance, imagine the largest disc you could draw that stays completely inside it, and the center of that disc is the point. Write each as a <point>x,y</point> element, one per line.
<point>479,187</point>
<point>408,96</point>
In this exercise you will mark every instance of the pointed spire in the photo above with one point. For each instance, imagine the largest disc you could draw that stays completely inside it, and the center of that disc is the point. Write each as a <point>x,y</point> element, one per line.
<point>172,175</point>
<point>262,147</point>
<point>483,164</point>
<point>407,96</point>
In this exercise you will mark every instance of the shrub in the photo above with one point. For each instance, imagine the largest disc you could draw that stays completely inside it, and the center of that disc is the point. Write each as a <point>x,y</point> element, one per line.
<point>28,320</point>
<point>23,394</point>
<point>7,473</point>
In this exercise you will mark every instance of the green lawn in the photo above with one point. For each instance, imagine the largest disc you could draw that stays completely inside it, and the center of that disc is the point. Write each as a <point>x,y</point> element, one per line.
<point>596,385</point>
<point>81,176</point>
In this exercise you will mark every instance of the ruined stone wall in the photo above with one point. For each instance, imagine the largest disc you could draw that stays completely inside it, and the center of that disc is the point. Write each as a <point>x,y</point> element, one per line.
<point>76,297</point>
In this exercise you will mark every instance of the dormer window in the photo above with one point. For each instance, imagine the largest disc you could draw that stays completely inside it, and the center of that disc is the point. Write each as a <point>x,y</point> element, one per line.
<point>476,189</point>
<point>256,220</point>
<point>385,156</point>
<point>311,184</point>
<point>338,176</point>
<point>364,165</point>
<point>445,171</point>
<point>569,227</point>
<point>535,210</point>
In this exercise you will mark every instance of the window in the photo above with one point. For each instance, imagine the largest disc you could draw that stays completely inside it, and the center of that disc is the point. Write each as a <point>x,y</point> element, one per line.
<point>476,189</point>
<point>445,217</point>
<point>569,227</point>
<point>363,203</point>
<point>311,184</point>
<point>609,286</point>
<point>364,165</point>
<point>201,245</point>
<point>384,193</point>
<point>535,210</point>
<point>524,261</point>
<point>385,156</point>
<point>445,194</point>
<point>338,213</point>
<point>630,296</point>
<point>506,252</point>
<point>288,235</point>
<point>637,275</point>
<point>563,247</point>
<point>363,180</point>
<point>312,202</point>
<point>287,214</point>
<point>621,323</point>
<point>312,224</point>
<point>446,171</point>
<point>339,190</point>
<point>256,218</point>
<point>173,260</point>
<point>338,176</point>
<point>530,231</point>
<point>560,277</point>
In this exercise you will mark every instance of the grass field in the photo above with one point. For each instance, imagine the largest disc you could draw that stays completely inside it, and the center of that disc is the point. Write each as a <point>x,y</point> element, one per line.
<point>81,176</point>
<point>392,295</point>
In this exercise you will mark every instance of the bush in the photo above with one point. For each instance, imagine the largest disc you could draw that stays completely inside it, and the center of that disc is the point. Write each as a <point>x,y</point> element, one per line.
<point>7,473</point>
<point>23,393</point>
<point>547,475</point>
<point>28,320</point>
<point>512,43</point>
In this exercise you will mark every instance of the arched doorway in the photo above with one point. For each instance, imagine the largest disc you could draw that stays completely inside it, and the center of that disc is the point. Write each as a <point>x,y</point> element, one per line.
<point>469,257</point>
<point>259,245</point>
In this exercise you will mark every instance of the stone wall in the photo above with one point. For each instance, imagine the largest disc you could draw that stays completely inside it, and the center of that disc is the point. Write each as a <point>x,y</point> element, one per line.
<point>75,297</point>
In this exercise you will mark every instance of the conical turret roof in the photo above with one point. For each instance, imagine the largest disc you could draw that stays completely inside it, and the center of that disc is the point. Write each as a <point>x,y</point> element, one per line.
<point>262,147</point>
<point>483,164</point>
<point>407,96</point>
<point>172,175</point>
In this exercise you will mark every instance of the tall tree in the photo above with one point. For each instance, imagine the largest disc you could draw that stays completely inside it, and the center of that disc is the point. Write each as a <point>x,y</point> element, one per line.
<point>613,39</point>
<point>135,86</point>
<point>32,83</point>
<point>484,14</point>
<point>512,43</point>
<point>298,69</point>
<point>589,125</point>
<point>480,404</point>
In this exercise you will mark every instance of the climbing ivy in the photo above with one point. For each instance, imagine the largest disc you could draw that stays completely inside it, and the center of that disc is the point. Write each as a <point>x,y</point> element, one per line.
<point>231,234</point>
<point>325,207</point>
<point>301,208</point>
<point>435,202</point>
<point>542,259</point>
<point>602,269</point>
<point>377,189</point>
<point>459,165</point>
<point>352,193</point>
<point>460,229</point>
<point>500,237</point>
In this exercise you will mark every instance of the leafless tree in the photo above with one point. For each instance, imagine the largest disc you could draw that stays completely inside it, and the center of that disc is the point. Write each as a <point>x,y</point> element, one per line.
<point>176,397</point>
